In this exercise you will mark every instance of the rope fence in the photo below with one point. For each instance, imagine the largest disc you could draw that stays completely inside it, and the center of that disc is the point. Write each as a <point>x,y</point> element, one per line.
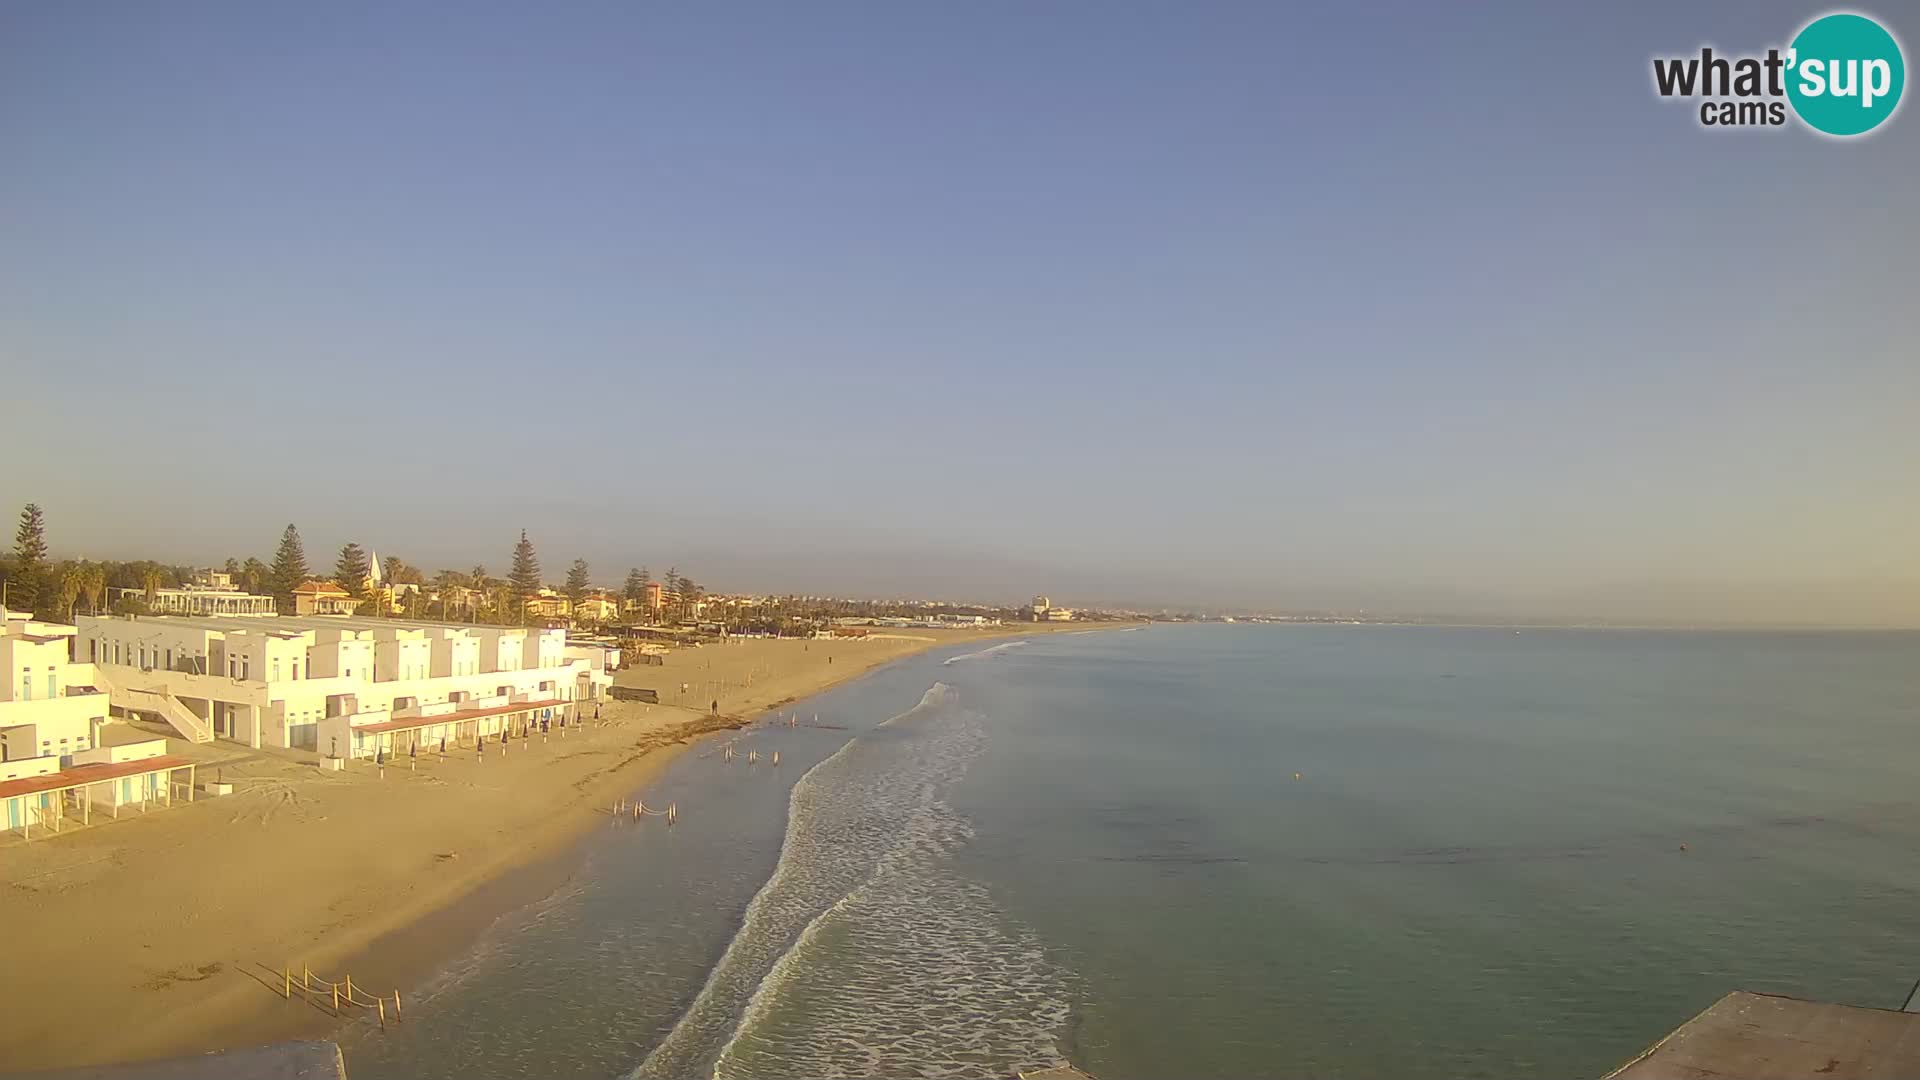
<point>339,994</point>
<point>637,809</point>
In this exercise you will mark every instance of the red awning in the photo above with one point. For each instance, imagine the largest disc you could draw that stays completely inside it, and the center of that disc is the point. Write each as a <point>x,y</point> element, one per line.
<point>90,774</point>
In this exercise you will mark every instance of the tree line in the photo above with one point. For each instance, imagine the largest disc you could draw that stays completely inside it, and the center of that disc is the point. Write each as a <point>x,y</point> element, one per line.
<point>58,589</point>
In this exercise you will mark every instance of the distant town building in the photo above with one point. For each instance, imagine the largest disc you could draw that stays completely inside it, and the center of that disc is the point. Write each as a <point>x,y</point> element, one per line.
<point>652,600</point>
<point>322,598</point>
<point>547,605</point>
<point>210,592</point>
<point>596,607</point>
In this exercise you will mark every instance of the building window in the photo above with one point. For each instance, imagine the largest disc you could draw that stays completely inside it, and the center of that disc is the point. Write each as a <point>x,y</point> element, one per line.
<point>53,685</point>
<point>26,686</point>
<point>276,671</point>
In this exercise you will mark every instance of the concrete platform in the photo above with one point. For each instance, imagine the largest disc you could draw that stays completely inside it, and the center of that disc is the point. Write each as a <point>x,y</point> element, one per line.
<point>1758,1037</point>
<point>281,1061</point>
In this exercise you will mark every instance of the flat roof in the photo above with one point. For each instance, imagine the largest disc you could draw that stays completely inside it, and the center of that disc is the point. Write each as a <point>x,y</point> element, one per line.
<point>456,717</point>
<point>294,624</point>
<point>1762,1037</point>
<point>93,773</point>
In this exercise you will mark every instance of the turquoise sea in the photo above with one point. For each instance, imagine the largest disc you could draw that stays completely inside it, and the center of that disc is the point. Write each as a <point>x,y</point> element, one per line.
<point>1229,851</point>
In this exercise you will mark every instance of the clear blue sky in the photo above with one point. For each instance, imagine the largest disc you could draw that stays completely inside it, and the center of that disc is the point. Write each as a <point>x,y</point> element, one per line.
<point>1384,304</point>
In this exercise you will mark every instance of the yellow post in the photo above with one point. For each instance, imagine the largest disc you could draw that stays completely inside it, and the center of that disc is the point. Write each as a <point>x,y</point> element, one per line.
<point>349,989</point>
<point>383,1013</point>
<point>336,999</point>
<point>306,977</point>
<point>396,1004</point>
<point>286,989</point>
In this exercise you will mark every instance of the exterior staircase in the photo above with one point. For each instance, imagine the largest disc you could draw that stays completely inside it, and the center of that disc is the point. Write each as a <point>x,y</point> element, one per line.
<point>183,720</point>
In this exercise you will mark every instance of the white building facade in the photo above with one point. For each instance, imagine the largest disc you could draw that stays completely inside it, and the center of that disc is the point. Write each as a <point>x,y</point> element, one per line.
<point>49,706</point>
<point>313,683</point>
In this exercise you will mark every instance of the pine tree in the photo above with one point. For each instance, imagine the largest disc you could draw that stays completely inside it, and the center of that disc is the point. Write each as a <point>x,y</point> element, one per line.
<point>636,588</point>
<point>289,570</point>
<point>578,581</point>
<point>525,575</point>
<point>350,572</point>
<point>29,568</point>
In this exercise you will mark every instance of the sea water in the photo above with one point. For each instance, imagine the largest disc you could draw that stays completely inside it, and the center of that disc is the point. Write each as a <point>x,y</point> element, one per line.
<point>1229,850</point>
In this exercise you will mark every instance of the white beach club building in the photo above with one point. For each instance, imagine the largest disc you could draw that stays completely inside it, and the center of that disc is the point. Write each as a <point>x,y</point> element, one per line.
<point>52,764</point>
<point>336,685</point>
<point>49,706</point>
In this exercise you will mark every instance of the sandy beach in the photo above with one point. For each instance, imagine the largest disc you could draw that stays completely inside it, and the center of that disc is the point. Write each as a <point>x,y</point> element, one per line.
<point>173,927</point>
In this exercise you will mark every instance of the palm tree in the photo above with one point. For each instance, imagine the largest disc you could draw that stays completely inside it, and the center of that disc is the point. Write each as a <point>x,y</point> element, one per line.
<point>254,574</point>
<point>73,581</point>
<point>150,579</point>
<point>95,587</point>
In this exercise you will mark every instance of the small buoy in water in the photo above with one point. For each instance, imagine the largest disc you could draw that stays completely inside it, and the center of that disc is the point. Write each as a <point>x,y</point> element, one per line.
<point>1296,776</point>
<point>1683,845</point>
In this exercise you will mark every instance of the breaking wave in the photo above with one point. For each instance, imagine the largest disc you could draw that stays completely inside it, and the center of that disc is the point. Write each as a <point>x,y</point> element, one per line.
<point>866,954</point>
<point>983,652</point>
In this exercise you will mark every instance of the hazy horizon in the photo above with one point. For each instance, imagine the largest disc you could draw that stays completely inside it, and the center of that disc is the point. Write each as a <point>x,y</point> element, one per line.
<point>1117,303</point>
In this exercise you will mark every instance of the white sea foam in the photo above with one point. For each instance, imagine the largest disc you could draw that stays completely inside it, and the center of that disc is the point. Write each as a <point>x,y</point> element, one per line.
<point>984,652</point>
<point>864,953</point>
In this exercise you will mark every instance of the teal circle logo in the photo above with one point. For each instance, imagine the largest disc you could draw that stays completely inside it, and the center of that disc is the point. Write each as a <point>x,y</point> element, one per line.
<point>1845,74</point>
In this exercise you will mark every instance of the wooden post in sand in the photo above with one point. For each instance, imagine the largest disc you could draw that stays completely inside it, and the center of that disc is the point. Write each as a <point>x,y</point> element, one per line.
<point>382,1003</point>
<point>286,987</point>
<point>336,999</point>
<point>396,1004</point>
